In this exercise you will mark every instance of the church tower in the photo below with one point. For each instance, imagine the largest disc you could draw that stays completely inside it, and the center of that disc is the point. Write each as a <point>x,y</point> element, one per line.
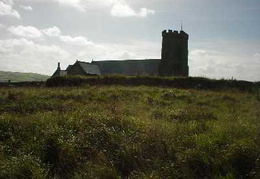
<point>174,55</point>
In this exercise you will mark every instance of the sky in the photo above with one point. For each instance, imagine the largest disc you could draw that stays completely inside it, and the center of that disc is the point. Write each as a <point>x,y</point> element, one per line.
<point>224,35</point>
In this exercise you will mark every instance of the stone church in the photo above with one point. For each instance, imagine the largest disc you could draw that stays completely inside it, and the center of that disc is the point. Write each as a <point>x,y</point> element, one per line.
<point>173,62</point>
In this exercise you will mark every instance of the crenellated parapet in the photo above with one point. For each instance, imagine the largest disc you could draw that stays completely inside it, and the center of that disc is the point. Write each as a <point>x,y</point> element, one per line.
<point>175,34</point>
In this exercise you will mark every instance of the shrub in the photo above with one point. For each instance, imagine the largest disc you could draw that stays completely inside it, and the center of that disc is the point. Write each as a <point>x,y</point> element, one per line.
<point>23,167</point>
<point>186,83</point>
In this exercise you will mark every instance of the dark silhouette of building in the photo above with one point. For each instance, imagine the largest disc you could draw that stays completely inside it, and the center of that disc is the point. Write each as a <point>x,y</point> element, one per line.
<point>59,72</point>
<point>83,68</point>
<point>174,55</point>
<point>173,62</point>
<point>79,68</point>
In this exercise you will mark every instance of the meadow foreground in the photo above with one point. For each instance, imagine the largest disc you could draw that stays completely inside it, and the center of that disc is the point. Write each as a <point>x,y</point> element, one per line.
<point>134,132</point>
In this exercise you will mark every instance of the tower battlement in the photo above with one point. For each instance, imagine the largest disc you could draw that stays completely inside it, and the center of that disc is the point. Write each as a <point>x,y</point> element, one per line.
<point>175,33</point>
<point>169,31</point>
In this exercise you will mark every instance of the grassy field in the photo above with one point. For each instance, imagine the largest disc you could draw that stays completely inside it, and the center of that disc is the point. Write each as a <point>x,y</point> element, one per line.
<point>5,76</point>
<point>115,131</point>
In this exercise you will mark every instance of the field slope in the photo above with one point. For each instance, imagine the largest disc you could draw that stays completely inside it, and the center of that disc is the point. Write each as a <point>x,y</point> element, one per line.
<point>128,132</point>
<point>20,77</point>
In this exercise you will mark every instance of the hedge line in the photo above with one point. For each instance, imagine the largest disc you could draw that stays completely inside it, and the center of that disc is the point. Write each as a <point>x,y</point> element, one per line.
<point>184,83</point>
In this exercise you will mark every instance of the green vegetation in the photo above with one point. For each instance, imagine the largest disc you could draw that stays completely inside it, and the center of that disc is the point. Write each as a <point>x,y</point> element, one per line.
<point>117,131</point>
<point>5,76</point>
<point>183,83</point>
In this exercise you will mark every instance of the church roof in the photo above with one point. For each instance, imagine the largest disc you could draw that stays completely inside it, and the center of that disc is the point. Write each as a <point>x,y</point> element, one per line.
<point>69,67</point>
<point>129,67</point>
<point>89,68</point>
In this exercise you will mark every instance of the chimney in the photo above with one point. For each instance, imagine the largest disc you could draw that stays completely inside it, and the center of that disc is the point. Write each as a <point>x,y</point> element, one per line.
<point>58,65</point>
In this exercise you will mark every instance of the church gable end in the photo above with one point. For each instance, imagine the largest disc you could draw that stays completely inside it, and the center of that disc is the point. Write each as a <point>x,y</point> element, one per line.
<point>89,68</point>
<point>76,69</point>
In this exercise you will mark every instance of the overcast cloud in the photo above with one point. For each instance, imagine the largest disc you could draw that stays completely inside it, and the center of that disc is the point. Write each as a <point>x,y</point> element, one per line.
<point>6,9</point>
<point>37,34</point>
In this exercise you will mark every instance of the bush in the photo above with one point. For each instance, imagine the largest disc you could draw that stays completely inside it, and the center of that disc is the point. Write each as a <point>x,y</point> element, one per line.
<point>23,167</point>
<point>186,83</point>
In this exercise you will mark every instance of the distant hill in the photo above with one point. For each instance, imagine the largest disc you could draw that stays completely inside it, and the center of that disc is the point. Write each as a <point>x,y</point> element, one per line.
<point>19,77</point>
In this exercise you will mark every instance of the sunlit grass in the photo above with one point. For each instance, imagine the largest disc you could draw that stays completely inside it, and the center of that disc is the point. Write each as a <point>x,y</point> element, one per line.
<point>135,132</point>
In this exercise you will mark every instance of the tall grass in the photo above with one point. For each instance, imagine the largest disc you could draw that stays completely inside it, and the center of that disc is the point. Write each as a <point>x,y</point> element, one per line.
<point>128,132</point>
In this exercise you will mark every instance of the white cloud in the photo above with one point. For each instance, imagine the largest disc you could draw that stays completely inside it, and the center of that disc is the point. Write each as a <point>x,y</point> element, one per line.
<point>25,31</point>
<point>122,54</point>
<point>34,33</point>
<point>27,8</point>
<point>145,12</point>
<point>198,53</point>
<point>104,52</point>
<point>15,42</point>
<point>225,64</point>
<point>52,32</point>
<point>72,3</point>
<point>118,8</point>
<point>25,56</point>
<point>6,9</point>
<point>9,45</point>
<point>2,25</point>
<point>10,2</point>
<point>132,50</point>
<point>122,10</point>
<point>79,40</point>
<point>257,57</point>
